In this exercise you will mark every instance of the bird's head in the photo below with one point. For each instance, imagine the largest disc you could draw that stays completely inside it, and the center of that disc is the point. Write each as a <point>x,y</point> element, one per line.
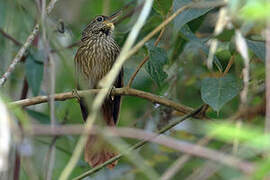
<point>102,25</point>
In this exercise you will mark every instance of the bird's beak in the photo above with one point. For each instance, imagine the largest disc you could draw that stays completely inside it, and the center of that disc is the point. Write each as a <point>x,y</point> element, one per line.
<point>109,24</point>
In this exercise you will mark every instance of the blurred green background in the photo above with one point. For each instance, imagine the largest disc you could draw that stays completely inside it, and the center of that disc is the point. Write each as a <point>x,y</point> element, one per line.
<point>180,74</point>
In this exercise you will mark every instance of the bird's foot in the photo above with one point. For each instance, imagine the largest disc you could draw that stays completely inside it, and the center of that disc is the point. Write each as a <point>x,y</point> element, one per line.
<point>109,94</point>
<point>75,94</point>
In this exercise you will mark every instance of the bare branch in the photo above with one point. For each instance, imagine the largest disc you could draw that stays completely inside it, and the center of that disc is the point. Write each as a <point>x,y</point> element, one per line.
<point>19,55</point>
<point>179,163</point>
<point>25,47</point>
<point>144,60</point>
<point>186,147</point>
<point>267,71</point>
<point>117,91</point>
<point>10,37</point>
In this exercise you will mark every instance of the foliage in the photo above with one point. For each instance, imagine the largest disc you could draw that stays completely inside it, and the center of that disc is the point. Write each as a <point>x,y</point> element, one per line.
<point>157,59</point>
<point>176,70</point>
<point>218,91</point>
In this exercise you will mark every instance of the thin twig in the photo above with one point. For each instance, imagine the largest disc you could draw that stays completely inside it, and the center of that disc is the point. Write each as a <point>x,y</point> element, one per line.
<point>16,42</point>
<point>19,55</point>
<point>106,7</point>
<point>229,65</point>
<point>16,174</point>
<point>169,19</point>
<point>107,83</point>
<point>128,14</point>
<point>267,81</point>
<point>24,48</point>
<point>181,146</point>
<point>191,149</point>
<point>144,60</point>
<point>179,163</point>
<point>50,66</point>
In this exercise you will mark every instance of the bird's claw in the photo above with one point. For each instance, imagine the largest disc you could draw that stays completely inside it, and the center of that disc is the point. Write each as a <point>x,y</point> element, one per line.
<point>75,94</point>
<point>109,94</point>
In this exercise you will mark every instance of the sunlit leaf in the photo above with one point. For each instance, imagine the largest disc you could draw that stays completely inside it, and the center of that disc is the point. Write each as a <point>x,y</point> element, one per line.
<point>218,91</point>
<point>228,132</point>
<point>256,10</point>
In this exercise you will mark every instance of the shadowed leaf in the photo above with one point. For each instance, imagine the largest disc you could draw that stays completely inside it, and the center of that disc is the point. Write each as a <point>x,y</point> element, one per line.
<point>218,91</point>
<point>258,48</point>
<point>34,74</point>
<point>187,15</point>
<point>201,43</point>
<point>157,58</point>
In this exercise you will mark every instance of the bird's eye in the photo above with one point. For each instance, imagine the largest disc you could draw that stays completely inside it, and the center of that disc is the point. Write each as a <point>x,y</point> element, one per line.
<point>100,18</point>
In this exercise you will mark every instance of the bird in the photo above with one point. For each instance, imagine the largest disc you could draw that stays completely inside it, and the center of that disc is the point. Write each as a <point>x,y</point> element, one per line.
<point>94,58</point>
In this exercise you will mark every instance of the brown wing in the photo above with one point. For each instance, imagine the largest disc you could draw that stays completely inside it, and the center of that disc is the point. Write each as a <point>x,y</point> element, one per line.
<point>117,99</point>
<point>78,61</point>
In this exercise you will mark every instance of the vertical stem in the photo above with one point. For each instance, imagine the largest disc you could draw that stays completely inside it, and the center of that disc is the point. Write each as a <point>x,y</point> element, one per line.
<point>106,7</point>
<point>50,157</point>
<point>267,71</point>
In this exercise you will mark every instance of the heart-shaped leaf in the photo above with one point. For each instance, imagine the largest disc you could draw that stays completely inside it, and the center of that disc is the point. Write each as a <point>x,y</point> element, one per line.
<point>187,15</point>
<point>218,91</point>
<point>258,48</point>
<point>157,59</point>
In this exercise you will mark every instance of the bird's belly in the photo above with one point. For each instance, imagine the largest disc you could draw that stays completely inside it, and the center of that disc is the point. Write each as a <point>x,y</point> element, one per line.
<point>98,71</point>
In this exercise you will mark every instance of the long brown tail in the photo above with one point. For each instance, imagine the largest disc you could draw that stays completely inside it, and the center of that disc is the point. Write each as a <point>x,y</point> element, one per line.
<point>97,151</point>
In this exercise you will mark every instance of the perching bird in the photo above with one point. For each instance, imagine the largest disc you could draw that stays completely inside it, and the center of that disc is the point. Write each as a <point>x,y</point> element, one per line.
<point>94,59</point>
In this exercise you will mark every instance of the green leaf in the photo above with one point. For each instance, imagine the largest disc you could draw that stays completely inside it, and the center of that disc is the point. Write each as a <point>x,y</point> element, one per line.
<point>157,59</point>
<point>41,117</point>
<point>201,43</point>
<point>162,6</point>
<point>34,74</point>
<point>187,15</point>
<point>218,91</point>
<point>255,10</point>
<point>258,48</point>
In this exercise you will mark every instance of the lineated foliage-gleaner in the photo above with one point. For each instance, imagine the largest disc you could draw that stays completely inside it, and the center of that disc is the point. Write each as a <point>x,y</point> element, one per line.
<point>94,59</point>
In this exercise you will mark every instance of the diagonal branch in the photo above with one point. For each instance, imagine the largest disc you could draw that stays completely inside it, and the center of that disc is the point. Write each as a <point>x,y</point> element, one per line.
<point>138,145</point>
<point>24,48</point>
<point>185,147</point>
<point>145,59</point>
<point>16,42</point>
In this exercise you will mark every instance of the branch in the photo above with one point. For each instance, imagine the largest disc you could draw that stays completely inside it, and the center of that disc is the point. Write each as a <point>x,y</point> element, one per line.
<point>169,19</point>
<point>144,60</point>
<point>188,148</point>
<point>267,71</point>
<point>117,91</point>
<point>170,142</point>
<point>10,37</point>
<point>109,79</point>
<point>179,163</point>
<point>25,47</point>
